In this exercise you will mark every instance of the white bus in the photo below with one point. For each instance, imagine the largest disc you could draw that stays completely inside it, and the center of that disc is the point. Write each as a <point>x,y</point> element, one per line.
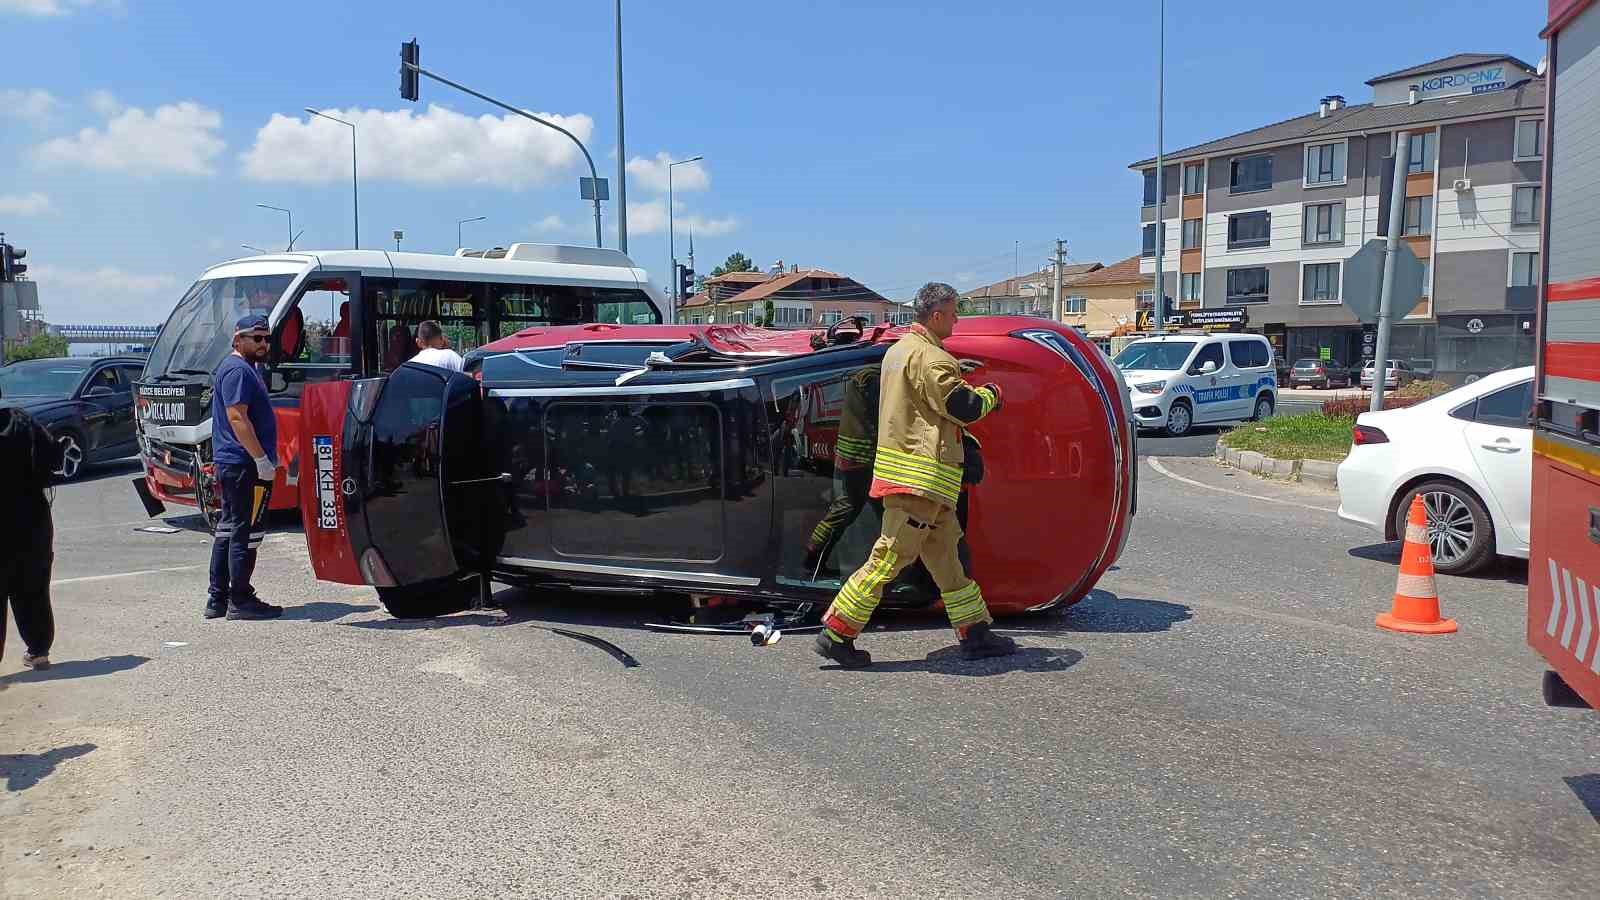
<point>354,313</point>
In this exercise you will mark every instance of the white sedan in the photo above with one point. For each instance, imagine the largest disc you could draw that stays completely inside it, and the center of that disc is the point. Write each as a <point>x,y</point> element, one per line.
<point>1467,452</point>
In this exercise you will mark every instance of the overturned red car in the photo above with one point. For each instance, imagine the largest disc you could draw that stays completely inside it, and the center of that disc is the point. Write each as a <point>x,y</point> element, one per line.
<point>704,460</point>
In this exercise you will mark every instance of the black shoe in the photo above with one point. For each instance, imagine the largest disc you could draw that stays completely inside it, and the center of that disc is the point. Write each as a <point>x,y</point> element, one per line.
<point>216,610</point>
<point>842,652</point>
<point>981,643</point>
<point>36,661</point>
<point>253,611</point>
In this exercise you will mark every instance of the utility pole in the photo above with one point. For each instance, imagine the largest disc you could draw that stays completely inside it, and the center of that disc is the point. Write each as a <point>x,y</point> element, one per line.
<point>1055,304</point>
<point>622,153</point>
<point>1397,212</point>
<point>1161,189</point>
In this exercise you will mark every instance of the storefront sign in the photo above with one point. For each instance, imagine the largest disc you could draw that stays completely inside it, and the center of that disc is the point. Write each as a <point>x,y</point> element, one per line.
<point>1325,353</point>
<point>1219,319</point>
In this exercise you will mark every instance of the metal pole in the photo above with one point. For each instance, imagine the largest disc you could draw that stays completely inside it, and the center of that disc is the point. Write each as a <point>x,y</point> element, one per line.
<point>355,192</point>
<point>672,250</point>
<point>1055,304</point>
<point>527,115</point>
<point>622,153</point>
<point>1159,316</point>
<point>1397,211</point>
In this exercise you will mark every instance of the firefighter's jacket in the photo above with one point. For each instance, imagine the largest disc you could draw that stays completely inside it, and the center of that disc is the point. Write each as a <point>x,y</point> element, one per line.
<point>924,406</point>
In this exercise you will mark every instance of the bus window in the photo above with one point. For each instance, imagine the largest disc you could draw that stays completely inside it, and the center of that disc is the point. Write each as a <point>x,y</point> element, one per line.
<point>316,332</point>
<point>519,306</point>
<point>398,306</point>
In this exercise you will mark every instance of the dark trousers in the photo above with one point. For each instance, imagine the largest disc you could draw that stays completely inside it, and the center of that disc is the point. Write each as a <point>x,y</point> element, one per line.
<point>25,586</point>
<point>240,530</point>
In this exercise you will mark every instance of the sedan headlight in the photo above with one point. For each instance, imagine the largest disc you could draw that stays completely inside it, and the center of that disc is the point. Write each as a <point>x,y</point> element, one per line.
<point>1151,387</point>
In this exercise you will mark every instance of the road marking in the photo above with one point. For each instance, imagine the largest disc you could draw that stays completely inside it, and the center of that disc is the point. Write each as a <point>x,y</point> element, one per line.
<point>83,578</point>
<point>1156,464</point>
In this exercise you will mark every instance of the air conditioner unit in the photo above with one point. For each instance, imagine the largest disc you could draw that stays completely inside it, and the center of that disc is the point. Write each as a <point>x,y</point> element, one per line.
<point>1462,184</point>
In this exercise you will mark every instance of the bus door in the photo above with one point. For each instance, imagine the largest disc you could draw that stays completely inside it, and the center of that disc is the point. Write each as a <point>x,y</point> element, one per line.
<point>312,343</point>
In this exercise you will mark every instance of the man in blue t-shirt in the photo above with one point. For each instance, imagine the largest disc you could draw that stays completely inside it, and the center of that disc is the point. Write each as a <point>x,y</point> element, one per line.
<point>244,440</point>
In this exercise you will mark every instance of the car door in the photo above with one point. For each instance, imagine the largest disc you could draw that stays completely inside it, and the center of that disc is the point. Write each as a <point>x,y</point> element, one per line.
<point>98,401</point>
<point>1501,443</point>
<point>1247,359</point>
<point>123,425</point>
<point>1212,393</point>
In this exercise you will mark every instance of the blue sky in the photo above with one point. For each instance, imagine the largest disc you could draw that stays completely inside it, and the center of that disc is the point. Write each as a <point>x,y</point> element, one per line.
<point>897,142</point>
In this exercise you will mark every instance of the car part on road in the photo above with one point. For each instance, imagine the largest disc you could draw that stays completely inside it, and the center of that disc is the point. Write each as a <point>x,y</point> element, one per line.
<point>1558,693</point>
<point>1415,609</point>
<point>621,655</point>
<point>428,599</point>
<point>1180,419</point>
<point>1460,535</point>
<point>71,455</point>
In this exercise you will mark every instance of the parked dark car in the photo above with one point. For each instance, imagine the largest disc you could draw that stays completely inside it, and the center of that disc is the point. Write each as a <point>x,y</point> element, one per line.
<point>1320,373</point>
<point>85,402</point>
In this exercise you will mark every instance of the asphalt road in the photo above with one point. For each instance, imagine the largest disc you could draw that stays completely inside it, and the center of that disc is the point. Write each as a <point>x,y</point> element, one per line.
<point>1221,718</point>
<point>1202,439</point>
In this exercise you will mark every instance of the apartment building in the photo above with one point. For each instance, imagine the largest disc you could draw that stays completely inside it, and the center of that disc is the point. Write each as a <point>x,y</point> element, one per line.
<point>796,298</point>
<point>1263,221</point>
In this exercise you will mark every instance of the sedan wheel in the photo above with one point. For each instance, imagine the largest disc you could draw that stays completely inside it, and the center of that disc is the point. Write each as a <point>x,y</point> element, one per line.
<point>71,457</point>
<point>1460,535</point>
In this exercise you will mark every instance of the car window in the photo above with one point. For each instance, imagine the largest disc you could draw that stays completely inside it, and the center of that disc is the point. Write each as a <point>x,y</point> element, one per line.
<point>108,378</point>
<point>1508,406</point>
<point>1243,354</point>
<point>1262,354</point>
<point>130,374</point>
<point>1208,353</point>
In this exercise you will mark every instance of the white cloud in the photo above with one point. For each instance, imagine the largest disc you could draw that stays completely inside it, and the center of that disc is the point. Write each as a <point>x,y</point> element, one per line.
<point>651,174</point>
<point>104,103</point>
<point>31,105</point>
<point>24,204</point>
<point>177,138</point>
<point>104,294</point>
<point>440,146</point>
<point>650,217</point>
<point>552,224</point>
<point>45,8</point>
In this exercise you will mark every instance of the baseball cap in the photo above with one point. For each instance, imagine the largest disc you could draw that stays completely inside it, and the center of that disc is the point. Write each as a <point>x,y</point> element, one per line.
<point>250,323</point>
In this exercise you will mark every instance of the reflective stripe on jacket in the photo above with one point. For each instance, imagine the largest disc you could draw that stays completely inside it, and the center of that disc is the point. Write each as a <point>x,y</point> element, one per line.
<point>924,405</point>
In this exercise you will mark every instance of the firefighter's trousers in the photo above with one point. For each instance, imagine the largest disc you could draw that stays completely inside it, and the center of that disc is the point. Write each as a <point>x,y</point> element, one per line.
<point>913,527</point>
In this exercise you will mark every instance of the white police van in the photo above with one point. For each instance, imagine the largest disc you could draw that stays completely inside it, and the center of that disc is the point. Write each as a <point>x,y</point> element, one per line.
<point>1178,381</point>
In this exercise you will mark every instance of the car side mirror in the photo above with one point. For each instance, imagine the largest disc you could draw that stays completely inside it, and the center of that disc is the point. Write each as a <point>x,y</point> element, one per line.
<point>98,392</point>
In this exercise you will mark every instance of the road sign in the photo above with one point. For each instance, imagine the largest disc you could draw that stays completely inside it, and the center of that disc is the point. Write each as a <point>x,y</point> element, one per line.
<point>589,187</point>
<point>1363,281</point>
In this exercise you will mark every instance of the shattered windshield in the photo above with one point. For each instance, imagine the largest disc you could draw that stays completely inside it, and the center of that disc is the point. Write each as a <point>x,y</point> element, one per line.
<point>199,332</point>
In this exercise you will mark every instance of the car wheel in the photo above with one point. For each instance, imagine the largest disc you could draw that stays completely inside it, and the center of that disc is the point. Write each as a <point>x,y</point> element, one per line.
<point>1460,534</point>
<point>71,455</point>
<point>1263,408</point>
<point>424,601</point>
<point>1180,419</point>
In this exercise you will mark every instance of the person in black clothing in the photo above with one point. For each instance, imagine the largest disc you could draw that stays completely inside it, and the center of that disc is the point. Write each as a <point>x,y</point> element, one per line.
<point>29,456</point>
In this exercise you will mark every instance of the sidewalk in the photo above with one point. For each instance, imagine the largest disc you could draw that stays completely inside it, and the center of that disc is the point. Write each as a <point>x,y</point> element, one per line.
<point>1320,395</point>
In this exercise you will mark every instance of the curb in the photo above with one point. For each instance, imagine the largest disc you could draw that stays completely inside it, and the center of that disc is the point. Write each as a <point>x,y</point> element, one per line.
<point>1309,471</point>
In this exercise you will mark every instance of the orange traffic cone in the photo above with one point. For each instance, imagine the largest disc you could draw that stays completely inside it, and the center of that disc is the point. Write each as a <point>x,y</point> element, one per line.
<point>1416,595</point>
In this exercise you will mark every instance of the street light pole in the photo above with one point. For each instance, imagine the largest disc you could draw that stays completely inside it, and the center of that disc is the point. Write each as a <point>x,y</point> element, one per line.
<point>291,222</point>
<point>460,222</point>
<point>355,190</point>
<point>672,250</point>
<point>1159,316</point>
<point>622,153</point>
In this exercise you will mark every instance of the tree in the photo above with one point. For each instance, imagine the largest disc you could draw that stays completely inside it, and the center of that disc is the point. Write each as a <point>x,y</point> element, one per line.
<point>42,346</point>
<point>738,262</point>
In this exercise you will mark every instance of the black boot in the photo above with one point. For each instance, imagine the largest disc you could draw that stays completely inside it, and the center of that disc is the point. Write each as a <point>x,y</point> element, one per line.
<point>842,652</point>
<point>981,643</point>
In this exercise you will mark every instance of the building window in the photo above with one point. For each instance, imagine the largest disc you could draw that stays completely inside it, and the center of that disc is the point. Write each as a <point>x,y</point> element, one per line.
<point>832,317</point>
<point>1319,283</point>
<point>1325,163</point>
<point>1530,139</point>
<point>1149,243</point>
<point>1149,187</point>
<point>1251,229</point>
<point>1247,285</point>
<point>1424,150</point>
<point>1250,173</point>
<point>1146,300</point>
<point>1075,304</point>
<point>1427,278</point>
<point>1191,234</point>
<point>1525,204</point>
<point>1324,223</point>
<point>1524,269</point>
<point>1189,287</point>
<point>1419,216</point>
<point>1194,179</point>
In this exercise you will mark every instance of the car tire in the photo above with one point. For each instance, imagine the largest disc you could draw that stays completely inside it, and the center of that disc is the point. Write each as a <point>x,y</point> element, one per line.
<point>1180,419</point>
<point>1263,410</point>
<point>427,600</point>
<point>1472,545</point>
<point>72,454</point>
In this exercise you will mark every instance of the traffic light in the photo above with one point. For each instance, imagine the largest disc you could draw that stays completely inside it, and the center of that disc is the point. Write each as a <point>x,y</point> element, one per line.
<point>10,268</point>
<point>685,281</point>
<point>410,55</point>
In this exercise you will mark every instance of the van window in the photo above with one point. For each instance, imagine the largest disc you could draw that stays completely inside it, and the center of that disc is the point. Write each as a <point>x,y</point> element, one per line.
<point>1249,354</point>
<point>1209,353</point>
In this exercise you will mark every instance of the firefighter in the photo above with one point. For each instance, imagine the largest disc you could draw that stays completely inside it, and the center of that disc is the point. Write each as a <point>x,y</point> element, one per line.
<point>924,409</point>
<point>852,465</point>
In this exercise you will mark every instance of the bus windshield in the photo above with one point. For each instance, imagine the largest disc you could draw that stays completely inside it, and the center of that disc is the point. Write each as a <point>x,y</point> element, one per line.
<point>199,332</point>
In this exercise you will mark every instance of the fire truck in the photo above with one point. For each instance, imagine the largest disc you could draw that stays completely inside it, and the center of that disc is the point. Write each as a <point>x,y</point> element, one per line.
<point>1564,566</point>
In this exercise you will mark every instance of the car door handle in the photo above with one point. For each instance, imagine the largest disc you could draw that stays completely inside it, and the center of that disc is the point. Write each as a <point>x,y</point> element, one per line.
<point>1501,448</point>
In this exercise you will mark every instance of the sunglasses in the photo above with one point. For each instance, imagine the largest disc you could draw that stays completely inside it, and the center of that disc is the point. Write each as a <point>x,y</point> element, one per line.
<point>258,338</point>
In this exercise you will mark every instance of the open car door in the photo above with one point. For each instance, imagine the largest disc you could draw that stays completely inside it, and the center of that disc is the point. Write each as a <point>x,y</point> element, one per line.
<point>399,497</point>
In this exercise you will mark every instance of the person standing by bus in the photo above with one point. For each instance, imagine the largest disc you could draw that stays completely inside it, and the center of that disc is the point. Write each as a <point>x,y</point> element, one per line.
<point>433,348</point>
<point>28,456</point>
<point>243,446</point>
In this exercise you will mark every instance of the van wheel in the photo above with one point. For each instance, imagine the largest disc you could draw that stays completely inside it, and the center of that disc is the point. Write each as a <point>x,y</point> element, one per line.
<point>1460,533</point>
<point>1180,418</point>
<point>1263,408</point>
<point>424,601</point>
